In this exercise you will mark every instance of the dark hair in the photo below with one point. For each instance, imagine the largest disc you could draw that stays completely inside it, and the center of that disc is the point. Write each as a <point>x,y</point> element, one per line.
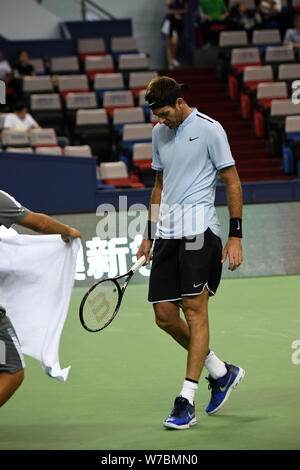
<point>19,106</point>
<point>161,87</point>
<point>20,51</point>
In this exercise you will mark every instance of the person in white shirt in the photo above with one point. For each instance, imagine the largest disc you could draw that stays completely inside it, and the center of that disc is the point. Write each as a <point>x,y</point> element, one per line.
<point>5,69</point>
<point>20,119</point>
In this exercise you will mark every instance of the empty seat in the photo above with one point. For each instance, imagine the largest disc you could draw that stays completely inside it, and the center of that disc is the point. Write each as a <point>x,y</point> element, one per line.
<point>279,54</point>
<point>139,81</point>
<point>93,129</point>
<point>81,100</point>
<point>266,92</point>
<point>131,62</point>
<point>42,138</point>
<point>284,108</point>
<point>252,76</point>
<point>49,150</point>
<point>108,82</point>
<point>135,133</point>
<point>142,155</point>
<point>265,37</point>
<point>292,124</point>
<point>64,65</point>
<point>127,116</point>
<point>241,58</point>
<point>94,65</point>
<point>289,72</point>
<point>276,123</point>
<point>12,138</point>
<point>78,151</point>
<point>123,45</point>
<point>38,65</point>
<point>233,38</point>
<point>46,109</point>
<point>19,149</point>
<point>40,84</point>
<point>115,173</point>
<point>90,46</point>
<point>117,99</point>
<point>72,83</point>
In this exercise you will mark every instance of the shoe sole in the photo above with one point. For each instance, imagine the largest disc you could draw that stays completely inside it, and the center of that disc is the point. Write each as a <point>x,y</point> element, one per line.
<point>184,426</point>
<point>234,384</point>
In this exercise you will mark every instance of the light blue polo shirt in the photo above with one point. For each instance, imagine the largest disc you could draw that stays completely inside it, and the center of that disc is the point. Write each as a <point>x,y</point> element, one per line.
<point>190,157</point>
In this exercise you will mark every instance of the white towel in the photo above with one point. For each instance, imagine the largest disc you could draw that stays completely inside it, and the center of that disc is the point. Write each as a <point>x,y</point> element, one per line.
<point>36,281</point>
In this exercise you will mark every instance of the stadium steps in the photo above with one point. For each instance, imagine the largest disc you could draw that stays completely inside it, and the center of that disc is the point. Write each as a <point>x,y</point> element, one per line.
<point>253,160</point>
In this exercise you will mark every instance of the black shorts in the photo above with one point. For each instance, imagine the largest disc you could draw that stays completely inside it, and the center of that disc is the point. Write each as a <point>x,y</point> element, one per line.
<point>180,270</point>
<point>11,357</point>
<point>172,25</point>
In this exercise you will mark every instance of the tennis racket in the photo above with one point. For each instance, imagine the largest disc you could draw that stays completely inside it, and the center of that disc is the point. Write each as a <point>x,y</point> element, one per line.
<point>102,301</point>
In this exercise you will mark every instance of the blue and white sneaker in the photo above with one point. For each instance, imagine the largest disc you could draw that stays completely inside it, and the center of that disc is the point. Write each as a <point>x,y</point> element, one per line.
<point>222,388</point>
<point>182,416</point>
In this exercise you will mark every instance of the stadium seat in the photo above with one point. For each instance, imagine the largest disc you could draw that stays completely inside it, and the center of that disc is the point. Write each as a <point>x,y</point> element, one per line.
<point>78,151</point>
<point>64,65</point>
<point>153,118</point>
<point>43,138</point>
<point>12,138</point>
<point>117,99</point>
<point>266,92</point>
<point>72,84</point>
<point>19,149</point>
<point>127,116</point>
<point>132,63</point>
<point>49,150</point>
<point>42,84</point>
<point>46,109</point>
<point>93,129</point>
<point>276,55</point>
<point>276,123</point>
<point>230,39</point>
<point>240,59</point>
<point>142,155</point>
<point>139,81</point>
<point>38,65</point>
<point>91,47</point>
<point>252,76</point>
<point>291,146</point>
<point>296,5</point>
<point>263,38</point>
<point>116,174</point>
<point>123,45</point>
<point>108,82</point>
<point>77,101</point>
<point>143,103</point>
<point>289,73</point>
<point>136,133</point>
<point>248,4</point>
<point>96,64</point>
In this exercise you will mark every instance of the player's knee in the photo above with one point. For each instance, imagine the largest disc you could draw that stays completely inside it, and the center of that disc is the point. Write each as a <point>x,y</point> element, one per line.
<point>163,319</point>
<point>196,317</point>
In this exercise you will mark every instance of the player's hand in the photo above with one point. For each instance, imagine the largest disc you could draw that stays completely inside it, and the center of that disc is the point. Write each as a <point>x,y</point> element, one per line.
<point>144,250</point>
<point>234,251</point>
<point>73,233</point>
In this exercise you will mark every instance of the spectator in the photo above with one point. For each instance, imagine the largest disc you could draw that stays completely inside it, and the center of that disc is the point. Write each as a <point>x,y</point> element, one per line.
<point>240,18</point>
<point>22,66</point>
<point>5,69</point>
<point>172,29</point>
<point>292,36</point>
<point>20,119</point>
<point>213,13</point>
<point>270,13</point>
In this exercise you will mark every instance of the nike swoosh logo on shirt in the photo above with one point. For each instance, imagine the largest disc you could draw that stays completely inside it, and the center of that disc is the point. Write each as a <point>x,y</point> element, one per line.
<point>195,138</point>
<point>225,386</point>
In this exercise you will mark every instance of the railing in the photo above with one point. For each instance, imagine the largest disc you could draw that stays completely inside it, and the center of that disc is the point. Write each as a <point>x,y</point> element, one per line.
<point>89,5</point>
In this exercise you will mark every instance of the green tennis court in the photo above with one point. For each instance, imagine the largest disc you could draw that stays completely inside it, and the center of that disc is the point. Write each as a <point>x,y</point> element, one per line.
<point>123,380</point>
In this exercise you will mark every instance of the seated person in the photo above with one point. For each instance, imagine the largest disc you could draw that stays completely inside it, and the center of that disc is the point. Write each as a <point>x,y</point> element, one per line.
<point>292,36</point>
<point>22,66</point>
<point>213,12</point>
<point>239,18</point>
<point>270,13</point>
<point>5,69</point>
<point>20,119</point>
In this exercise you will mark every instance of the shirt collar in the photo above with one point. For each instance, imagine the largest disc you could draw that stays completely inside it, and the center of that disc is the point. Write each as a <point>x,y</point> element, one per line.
<point>188,119</point>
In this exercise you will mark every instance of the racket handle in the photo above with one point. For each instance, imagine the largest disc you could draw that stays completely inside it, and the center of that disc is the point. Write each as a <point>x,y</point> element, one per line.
<point>140,262</point>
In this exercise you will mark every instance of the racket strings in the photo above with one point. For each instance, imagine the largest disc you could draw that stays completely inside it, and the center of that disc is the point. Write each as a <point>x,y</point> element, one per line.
<point>100,305</point>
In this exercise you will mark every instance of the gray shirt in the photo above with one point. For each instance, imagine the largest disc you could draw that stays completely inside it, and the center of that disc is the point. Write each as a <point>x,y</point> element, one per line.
<point>11,211</point>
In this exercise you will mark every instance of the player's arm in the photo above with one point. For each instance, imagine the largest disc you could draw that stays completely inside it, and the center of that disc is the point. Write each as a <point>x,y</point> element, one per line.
<point>233,248</point>
<point>152,217</point>
<point>42,223</point>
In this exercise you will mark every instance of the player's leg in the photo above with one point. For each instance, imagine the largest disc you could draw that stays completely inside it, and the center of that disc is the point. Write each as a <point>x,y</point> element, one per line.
<point>11,360</point>
<point>168,318</point>
<point>169,47</point>
<point>9,383</point>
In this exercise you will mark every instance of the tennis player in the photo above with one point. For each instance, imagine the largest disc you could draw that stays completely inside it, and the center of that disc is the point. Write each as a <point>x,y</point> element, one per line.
<point>11,358</point>
<point>190,149</point>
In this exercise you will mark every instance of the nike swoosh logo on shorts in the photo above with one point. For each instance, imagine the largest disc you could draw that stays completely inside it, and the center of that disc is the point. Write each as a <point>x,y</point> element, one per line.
<point>195,138</point>
<point>224,388</point>
<point>197,285</point>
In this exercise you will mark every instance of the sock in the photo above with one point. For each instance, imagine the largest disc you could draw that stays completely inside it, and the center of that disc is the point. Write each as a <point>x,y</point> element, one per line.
<point>188,390</point>
<point>215,366</point>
